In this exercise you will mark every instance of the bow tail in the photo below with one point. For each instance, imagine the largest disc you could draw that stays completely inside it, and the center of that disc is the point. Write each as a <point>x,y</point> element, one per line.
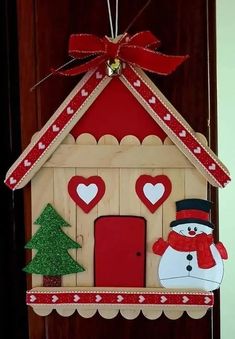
<point>91,64</point>
<point>151,61</point>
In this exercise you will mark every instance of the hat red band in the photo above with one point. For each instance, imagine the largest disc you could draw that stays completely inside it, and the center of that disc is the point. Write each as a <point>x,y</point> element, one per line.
<point>194,214</point>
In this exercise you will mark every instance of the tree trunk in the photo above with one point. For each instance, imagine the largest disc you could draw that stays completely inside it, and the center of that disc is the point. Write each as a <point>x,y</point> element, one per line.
<point>52,280</point>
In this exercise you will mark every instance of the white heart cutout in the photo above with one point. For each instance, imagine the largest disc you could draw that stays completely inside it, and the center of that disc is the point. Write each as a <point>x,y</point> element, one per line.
<point>87,192</point>
<point>54,298</point>
<point>163,299</point>
<point>167,117</point>
<point>185,299</point>
<point>207,300</point>
<point>119,298</point>
<point>98,298</point>
<point>76,298</point>
<point>32,298</point>
<point>141,298</point>
<point>153,192</point>
<point>12,180</point>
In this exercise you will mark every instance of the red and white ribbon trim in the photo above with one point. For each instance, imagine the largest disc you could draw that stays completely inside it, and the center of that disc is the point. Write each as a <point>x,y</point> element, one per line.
<point>40,147</point>
<point>120,298</point>
<point>190,143</point>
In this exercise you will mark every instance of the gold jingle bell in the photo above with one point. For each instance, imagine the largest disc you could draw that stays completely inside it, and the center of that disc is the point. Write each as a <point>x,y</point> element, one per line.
<point>113,67</point>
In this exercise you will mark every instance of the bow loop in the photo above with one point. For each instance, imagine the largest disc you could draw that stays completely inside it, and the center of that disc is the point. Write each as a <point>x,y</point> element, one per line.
<point>144,39</point>
<point>83,45</point>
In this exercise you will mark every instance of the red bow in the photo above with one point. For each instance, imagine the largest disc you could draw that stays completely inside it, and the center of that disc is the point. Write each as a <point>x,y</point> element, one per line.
<point>137,50</point>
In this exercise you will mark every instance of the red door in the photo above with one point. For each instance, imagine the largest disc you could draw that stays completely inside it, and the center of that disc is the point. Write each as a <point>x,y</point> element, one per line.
<point>120,251</point>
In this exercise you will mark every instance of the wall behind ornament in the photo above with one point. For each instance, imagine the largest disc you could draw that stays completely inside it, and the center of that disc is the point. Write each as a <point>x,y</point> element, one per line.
<point>226,142</point>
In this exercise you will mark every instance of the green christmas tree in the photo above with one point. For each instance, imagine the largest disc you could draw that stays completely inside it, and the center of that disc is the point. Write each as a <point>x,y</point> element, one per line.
<point>52,259</point>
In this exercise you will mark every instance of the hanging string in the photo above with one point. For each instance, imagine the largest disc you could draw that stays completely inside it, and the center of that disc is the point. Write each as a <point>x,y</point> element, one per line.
<point>50,74</point>
<point>73,59</point>
<point>116,19</point>
<point>137,16</point>
<point>112,35</point>
<point>110,19</point>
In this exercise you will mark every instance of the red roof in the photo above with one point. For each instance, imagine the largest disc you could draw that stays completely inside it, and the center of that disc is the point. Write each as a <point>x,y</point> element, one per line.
<point>168,121</point>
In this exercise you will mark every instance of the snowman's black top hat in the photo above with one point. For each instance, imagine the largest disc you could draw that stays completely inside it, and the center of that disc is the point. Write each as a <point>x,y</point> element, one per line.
<point>193,211</point>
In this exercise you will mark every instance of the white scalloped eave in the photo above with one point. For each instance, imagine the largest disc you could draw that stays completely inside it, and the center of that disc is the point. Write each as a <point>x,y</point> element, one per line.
<point>108,313</point>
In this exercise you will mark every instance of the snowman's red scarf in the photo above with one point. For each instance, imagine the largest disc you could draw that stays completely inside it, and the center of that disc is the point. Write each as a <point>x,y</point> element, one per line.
<point>200,243</point>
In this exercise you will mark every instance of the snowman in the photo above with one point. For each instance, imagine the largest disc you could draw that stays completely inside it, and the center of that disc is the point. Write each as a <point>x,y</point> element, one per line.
<point>190,258</point>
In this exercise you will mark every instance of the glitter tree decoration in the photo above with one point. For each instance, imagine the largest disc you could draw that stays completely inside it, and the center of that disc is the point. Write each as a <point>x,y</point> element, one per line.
<point>52,259</point>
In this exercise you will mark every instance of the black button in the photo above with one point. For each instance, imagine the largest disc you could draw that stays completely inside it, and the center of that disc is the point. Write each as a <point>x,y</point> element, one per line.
<point>189,257</point>
<point>189,268</point>
<point>138,254</point>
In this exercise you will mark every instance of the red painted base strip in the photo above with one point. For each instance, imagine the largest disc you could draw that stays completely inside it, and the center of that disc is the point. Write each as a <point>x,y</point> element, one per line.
<point>120,298</point>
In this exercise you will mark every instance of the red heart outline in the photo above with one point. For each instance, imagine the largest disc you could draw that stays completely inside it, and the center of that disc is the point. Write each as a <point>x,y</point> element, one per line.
<point>159,179</point>
<point>72,189</point>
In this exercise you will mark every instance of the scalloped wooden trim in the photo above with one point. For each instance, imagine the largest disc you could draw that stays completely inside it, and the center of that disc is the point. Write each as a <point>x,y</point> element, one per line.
<point>69,139</point>
<point>65,311</point>
<point>152,140</point>
<point>86,139</point>
<point>196,314</point>
<point>86,313</point>
<point>108,313</point>
<point>173,314</point>
<point>43,311</point>
<point>34,136</point>
<point>130,140</point>
<point>108,139</point>
<point>168,141</point>
<point>152,314</point>
<point>130,314</point>
<point>201,137</point>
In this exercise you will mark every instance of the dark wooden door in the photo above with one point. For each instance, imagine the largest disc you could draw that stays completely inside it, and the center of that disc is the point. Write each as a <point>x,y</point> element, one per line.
<point>184,27</point>
<point>120,251</point>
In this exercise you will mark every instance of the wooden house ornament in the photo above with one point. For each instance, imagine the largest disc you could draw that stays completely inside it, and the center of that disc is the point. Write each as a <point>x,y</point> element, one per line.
<point>119,166</point>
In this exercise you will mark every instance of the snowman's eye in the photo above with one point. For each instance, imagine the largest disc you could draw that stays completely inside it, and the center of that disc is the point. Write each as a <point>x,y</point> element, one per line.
<point>195,229</point>
<point>189,228</point>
